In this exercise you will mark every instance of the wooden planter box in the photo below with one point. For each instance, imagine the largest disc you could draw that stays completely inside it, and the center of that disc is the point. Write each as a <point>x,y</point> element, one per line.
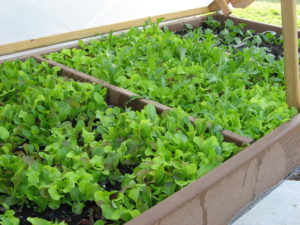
<point>218,196</point>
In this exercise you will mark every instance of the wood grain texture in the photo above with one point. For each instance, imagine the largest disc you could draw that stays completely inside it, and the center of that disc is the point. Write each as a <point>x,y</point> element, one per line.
<point>291,60</point>
<point>79,34</point>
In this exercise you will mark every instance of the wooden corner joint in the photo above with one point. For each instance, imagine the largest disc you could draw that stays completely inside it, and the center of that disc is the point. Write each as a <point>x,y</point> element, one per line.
<point>223,5</point>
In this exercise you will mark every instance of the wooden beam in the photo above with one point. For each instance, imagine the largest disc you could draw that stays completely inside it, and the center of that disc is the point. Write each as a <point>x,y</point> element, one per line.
<point>241,3</point>
<point>224,7</point>
<point>291,60</point>
<point>214,6</point>
<point>89,32</point>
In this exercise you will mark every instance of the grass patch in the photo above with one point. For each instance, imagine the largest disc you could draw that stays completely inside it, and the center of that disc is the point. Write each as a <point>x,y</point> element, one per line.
<point>265,11</point>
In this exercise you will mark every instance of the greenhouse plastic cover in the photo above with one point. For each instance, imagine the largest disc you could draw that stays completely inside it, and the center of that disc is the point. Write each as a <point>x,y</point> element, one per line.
<point>29,19</point>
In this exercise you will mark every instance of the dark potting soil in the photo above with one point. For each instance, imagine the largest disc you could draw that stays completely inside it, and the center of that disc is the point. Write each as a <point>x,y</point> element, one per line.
<point>276,50</point>
<point>90,214</point>
<point>108,186</point>
<point>115,185</point>
<point>295,176</point>
<point>126,168</point>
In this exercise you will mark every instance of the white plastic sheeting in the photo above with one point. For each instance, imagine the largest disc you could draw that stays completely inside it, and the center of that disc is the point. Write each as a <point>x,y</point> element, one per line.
<point>28,19</point>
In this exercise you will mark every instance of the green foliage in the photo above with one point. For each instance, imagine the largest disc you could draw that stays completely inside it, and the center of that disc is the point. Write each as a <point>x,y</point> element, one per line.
<point>4,134</point>
<point>233,35</point>
<point>207,75</point>
<point>266,11</point>
<point>62,144</point>
<point>38,221</point>
<point>8,218</point>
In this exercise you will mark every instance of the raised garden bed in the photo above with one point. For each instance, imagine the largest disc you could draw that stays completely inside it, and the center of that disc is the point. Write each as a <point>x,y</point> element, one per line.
<point>203,72</point>
<point>230,186</point>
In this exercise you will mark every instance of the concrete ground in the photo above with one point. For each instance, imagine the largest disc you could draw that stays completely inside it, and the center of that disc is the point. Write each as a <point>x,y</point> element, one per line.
<point>279,207</point>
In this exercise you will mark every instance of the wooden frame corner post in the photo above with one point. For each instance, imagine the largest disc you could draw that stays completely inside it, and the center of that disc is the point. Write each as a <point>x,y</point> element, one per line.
<point>224,7</point>
<point>291,60</point>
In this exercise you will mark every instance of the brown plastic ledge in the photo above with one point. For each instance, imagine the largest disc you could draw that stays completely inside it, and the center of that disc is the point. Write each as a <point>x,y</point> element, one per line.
<point>121,97</point>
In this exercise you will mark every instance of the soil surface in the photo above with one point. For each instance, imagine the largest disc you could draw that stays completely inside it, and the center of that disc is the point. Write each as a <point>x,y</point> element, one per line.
<point>295,176</point>
<point>277,51</point>
<point>90,214</point>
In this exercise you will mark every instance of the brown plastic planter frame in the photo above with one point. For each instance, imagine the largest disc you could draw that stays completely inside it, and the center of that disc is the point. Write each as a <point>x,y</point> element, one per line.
<point>217,197</point>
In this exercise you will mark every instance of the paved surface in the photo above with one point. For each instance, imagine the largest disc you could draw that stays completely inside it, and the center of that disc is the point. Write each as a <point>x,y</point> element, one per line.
<point>280,207</point>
